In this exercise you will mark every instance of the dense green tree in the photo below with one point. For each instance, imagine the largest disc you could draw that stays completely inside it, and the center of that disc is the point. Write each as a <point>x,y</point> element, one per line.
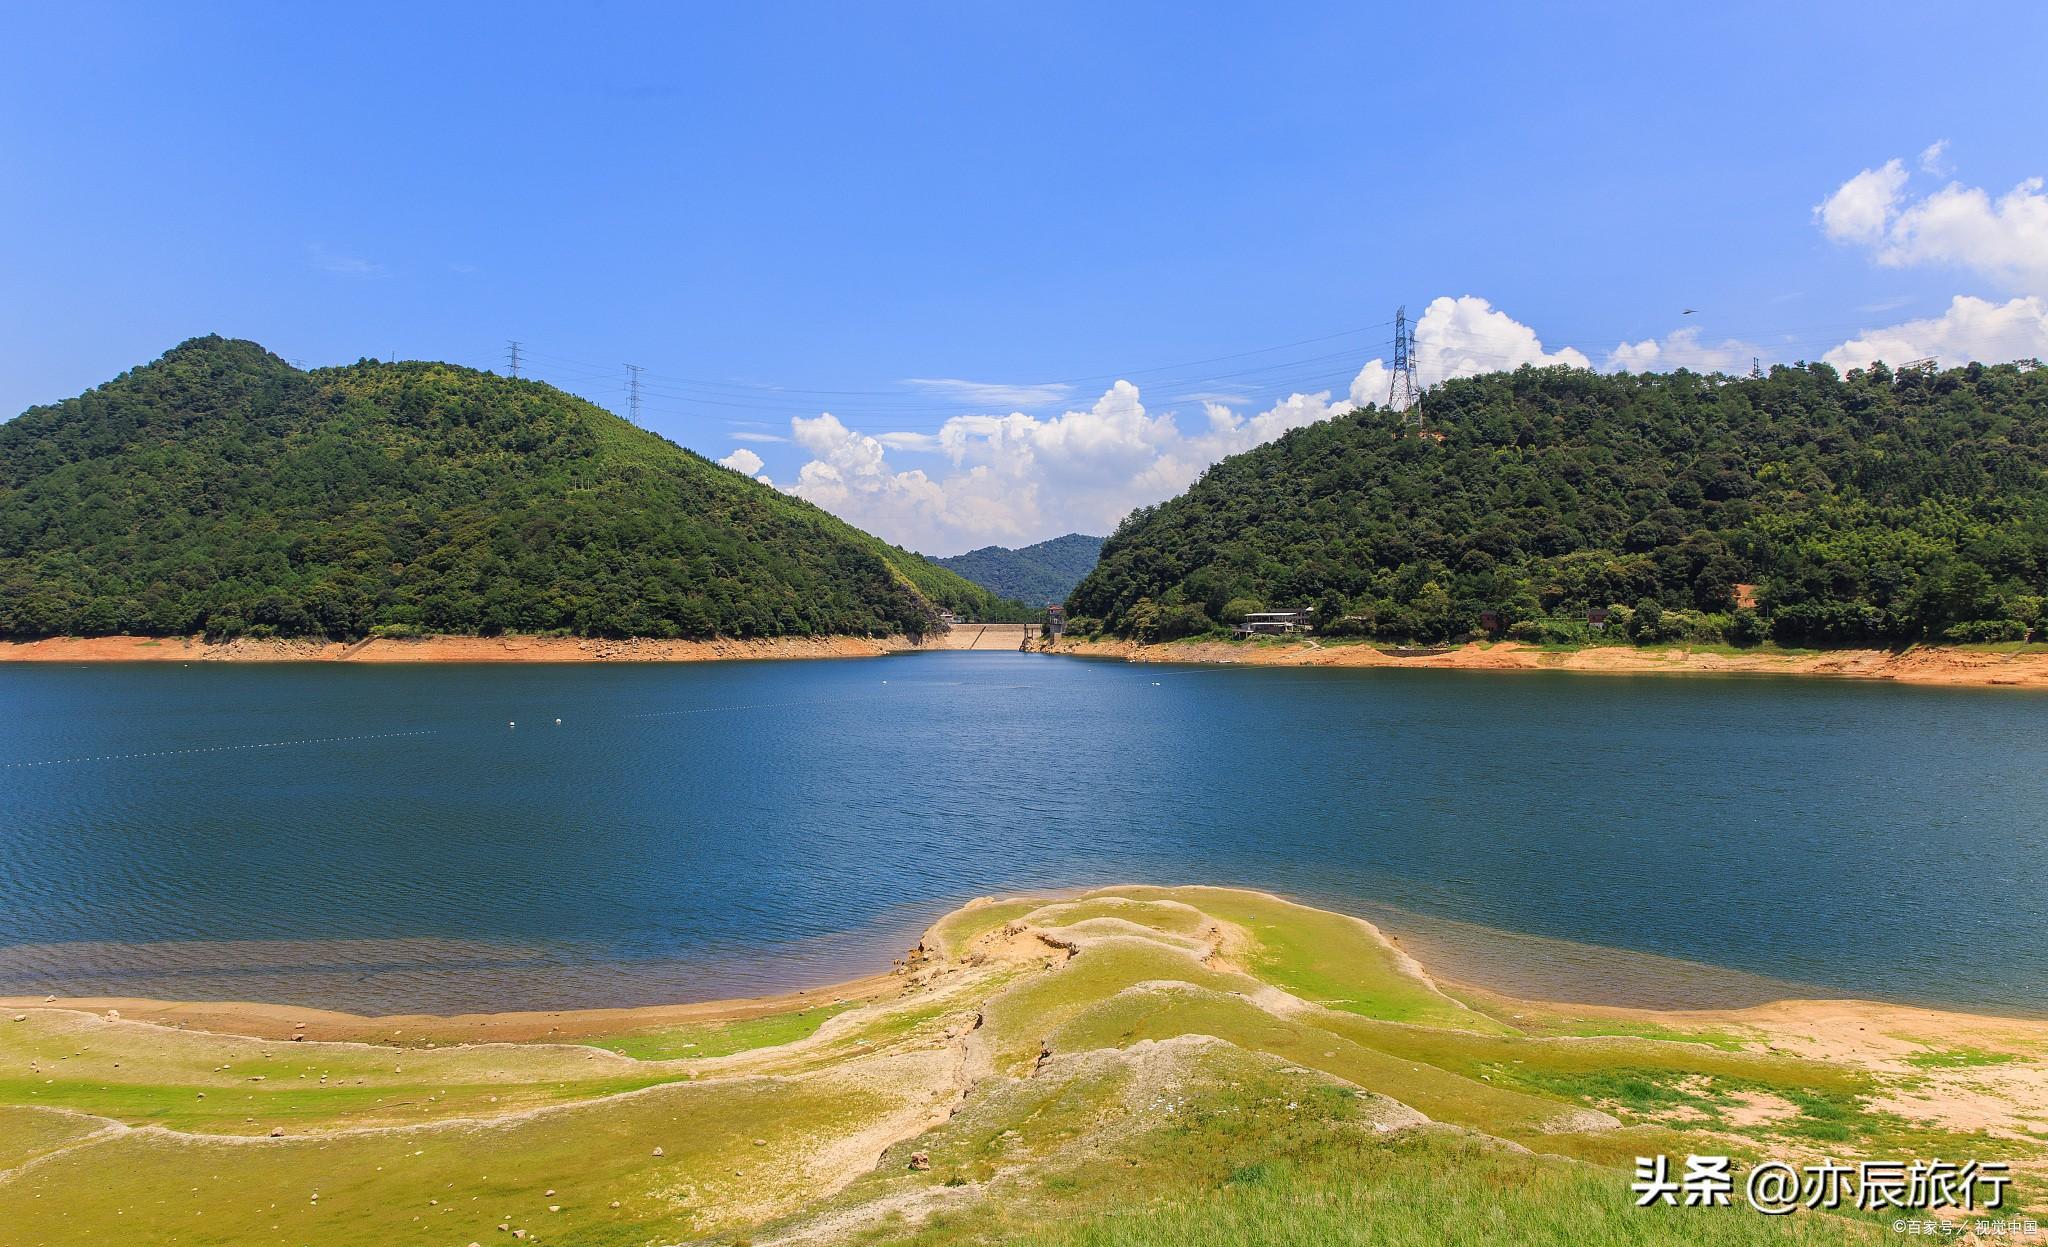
<point>220,490</point>
<point>1876,508</point>
<point>1034,574</point>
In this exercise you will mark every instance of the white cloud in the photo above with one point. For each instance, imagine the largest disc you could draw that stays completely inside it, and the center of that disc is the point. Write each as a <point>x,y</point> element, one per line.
<point>759,437</point>
<point>849,476</point>
<point>1466,336</point>
<point>743,460</point>
<point>1682,349</point>
<point>2005,238</point>
<point>1933,159</point>
<point>1860,207</point>
<point>991,394</point>
<point>1020,477</point>
<point>1971,329</point>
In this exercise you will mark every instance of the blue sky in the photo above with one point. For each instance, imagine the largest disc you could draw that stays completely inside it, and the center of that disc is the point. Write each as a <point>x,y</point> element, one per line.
<point>787,210</point>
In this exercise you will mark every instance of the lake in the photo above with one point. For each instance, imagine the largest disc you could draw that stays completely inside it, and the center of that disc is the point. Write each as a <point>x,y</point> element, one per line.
<point>382,838</point>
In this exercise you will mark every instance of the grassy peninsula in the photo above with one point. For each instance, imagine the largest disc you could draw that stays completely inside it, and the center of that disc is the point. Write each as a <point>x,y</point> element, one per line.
<point>221,491</point>
<point>1135,1065</point>
<point>1877,510</point>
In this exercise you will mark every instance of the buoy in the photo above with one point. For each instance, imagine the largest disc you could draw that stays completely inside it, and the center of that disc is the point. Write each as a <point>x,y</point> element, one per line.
<point>558,723</point>
<point>511,725</point>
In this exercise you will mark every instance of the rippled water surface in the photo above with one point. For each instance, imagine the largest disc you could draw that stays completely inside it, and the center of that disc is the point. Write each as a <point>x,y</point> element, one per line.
<point>380,838</point>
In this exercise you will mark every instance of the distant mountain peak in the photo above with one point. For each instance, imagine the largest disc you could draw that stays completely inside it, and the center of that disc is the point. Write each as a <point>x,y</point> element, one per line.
<point>1035,574</point>
<point>219,489</point>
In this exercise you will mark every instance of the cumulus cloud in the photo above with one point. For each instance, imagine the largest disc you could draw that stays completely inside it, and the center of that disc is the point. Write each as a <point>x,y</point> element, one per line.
<point>742,460</point>
<point>849,475</point>
<point>1682,349</point>
<point>1466,336</point>
<point>1020,477</point>
<point>1859,209</point>
<point>2004,238</point>
<point>1971,329</point>
<point>747,462</point>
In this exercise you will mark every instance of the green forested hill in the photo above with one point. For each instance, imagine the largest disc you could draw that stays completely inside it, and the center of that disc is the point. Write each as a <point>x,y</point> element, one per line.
<point>221,490</point>
<point>1880,507</point>
<point>1034,575</point>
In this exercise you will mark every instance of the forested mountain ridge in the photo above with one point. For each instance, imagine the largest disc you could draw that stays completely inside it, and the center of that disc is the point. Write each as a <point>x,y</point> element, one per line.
<point>1878,508</point>
<point>1034,574</point>
<point>221,490</point>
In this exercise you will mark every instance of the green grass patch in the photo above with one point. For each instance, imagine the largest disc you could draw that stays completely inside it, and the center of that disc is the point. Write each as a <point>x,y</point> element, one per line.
<point>1252,1155</point>
<point>951,935</point>
<point>26,1133</point>
<point>1958,1058</point>
<point>457,1183</point>
<point>255,1108</point>
<point>1623,1028</point>
<point>1326,958</point>
<point>714,1039</point>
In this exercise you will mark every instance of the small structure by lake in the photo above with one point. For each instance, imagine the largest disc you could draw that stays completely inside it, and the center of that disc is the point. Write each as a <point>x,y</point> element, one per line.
<point>1273,623</point>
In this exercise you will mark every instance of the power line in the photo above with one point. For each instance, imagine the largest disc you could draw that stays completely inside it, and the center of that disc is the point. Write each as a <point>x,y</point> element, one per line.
<point>761,389</point>
<point>910,410</point>
<point>1401,388</point>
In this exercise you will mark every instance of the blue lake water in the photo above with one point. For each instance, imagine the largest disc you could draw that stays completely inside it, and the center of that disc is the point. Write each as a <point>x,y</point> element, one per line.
<point>381,838</point>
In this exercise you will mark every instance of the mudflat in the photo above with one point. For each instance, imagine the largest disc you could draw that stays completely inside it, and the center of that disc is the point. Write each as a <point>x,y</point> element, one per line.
<point>1147,1060</point>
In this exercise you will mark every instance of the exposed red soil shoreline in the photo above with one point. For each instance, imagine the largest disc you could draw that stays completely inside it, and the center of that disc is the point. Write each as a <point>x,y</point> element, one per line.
<point>441,649</point>
<point>1921,664</point>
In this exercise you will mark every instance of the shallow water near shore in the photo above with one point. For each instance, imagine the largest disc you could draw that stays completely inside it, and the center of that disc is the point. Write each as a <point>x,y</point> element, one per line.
<point>386,839</point>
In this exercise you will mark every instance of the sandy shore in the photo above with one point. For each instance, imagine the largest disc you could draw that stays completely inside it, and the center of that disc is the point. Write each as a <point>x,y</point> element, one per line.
<point>441,649</point>
<point>1474,971</point>
<point>1921,664</point>
<point>1024,1041</point>
<point>1863,1033</point>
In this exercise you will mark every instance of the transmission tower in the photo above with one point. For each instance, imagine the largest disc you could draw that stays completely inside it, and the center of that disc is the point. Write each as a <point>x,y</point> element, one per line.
<point>512,356</point>
<point>1756,367</point>
<point>1402,391</point>
<point>633,393</point>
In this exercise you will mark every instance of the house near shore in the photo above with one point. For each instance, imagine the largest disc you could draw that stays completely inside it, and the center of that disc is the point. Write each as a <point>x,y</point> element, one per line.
<point>1273,623</point>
